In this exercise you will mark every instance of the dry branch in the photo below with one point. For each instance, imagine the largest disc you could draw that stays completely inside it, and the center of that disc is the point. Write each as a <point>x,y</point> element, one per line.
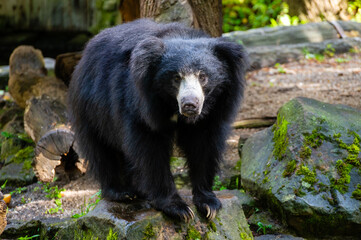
<point>255,122</point>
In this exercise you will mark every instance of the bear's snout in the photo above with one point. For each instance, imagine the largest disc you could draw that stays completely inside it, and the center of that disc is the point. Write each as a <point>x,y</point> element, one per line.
<point>190,96</point>
<point>190,106</point>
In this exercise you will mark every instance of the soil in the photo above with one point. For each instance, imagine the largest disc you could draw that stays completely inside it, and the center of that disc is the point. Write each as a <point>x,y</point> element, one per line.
<point>268,89</point>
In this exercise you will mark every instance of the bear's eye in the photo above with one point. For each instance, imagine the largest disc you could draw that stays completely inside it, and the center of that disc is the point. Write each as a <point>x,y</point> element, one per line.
<point>203,79</point>
<point>177,78</point>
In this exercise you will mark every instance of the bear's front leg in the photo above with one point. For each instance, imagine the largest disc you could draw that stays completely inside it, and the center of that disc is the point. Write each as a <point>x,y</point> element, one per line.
<point>203,147</point>
<point>148,154</point>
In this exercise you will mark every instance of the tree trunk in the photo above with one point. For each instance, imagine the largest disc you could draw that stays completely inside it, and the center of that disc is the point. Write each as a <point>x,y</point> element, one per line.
<point>149,8</point>
<point>130,10</point>
<point>320,10</point>
<point>208,16</point>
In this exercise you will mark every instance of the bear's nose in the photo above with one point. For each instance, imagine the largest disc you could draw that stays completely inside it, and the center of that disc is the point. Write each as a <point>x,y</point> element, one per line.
<point>190,106</point>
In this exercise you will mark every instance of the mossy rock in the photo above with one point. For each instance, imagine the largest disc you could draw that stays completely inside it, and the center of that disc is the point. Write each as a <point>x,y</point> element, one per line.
<point>18,170</point>
<point>307,167</point>
<point>139,221</point>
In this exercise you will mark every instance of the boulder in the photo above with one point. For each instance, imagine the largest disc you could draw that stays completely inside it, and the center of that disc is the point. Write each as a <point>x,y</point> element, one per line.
<point>307,168</point>
<point>17,151</point>
<point>267,56</point>
<point>140,221</point>
<point>303,33</point>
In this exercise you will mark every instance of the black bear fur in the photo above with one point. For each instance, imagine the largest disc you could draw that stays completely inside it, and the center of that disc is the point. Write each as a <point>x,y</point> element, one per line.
<point>121,101</point>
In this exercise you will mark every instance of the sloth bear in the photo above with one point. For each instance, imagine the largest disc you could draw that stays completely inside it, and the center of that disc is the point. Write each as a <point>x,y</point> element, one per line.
<point>141,86</point>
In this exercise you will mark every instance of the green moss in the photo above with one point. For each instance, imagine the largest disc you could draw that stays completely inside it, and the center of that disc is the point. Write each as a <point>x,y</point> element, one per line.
<point>305,152</point>
<point>290,168</point>
<point>315,139</point>
<point>309,176</point>
<point>148,232</point>
<point>238,165</point>
<point>343,170</point>
<point>345,165</point>
<point>23,154</point>
<point>112,235</point>
<point>212,226</point>
<point>299,193</point>
<point>193,233</point>
<point>280,138</point>
<point>265,180</point>
<point>357,193</point>
<point>84,235</point>
<point>244,236</point>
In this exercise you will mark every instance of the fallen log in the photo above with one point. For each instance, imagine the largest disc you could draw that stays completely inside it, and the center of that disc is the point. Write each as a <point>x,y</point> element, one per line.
<point>45,120</point>
<point>254,122</point>
<point>45,117</point>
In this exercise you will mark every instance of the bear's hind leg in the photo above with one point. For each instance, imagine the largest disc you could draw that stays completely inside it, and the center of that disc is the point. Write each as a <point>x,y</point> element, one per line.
<point>108,167</point>
<point>116,183</point>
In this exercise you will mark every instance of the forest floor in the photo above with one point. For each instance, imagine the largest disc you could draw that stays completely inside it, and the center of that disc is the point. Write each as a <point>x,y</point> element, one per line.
<point>334,80</point>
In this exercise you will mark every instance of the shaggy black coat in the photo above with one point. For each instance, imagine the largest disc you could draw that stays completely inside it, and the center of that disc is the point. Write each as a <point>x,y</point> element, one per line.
<point>122,99</point>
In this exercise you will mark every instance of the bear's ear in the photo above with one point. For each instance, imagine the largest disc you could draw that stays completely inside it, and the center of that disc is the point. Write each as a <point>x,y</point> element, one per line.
<point>144,58</point>
<point>144,62</point>
<point>232,54</point>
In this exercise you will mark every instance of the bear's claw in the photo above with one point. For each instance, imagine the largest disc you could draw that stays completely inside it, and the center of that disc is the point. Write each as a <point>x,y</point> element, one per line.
<point>207,205</point>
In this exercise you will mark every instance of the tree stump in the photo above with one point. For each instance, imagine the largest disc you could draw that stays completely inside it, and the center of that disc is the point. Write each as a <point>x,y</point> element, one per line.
<point>65,64</point>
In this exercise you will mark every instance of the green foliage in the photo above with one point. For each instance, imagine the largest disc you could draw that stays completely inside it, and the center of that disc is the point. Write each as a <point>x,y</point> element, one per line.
<point>112,235</point>
<point>86,207</point>
<point>52,192</point>
<point>280,138</point>
<point>354,9</point>
<point>246,14</point>
<point>4,184</point>
<point>343,60</point>
<point>18,190</point>
<point>316,56</point>
<point>148,232</point>
<point>279,68</point>
<point>218,185</point>
<point>263,227</point>
<point>57,209</point>
<point>329,51</point>
<point>22,136</point>
<point>28,238</point>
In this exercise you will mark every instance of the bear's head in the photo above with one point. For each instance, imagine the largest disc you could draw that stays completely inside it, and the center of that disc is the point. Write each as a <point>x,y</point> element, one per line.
<point>188,76</point>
